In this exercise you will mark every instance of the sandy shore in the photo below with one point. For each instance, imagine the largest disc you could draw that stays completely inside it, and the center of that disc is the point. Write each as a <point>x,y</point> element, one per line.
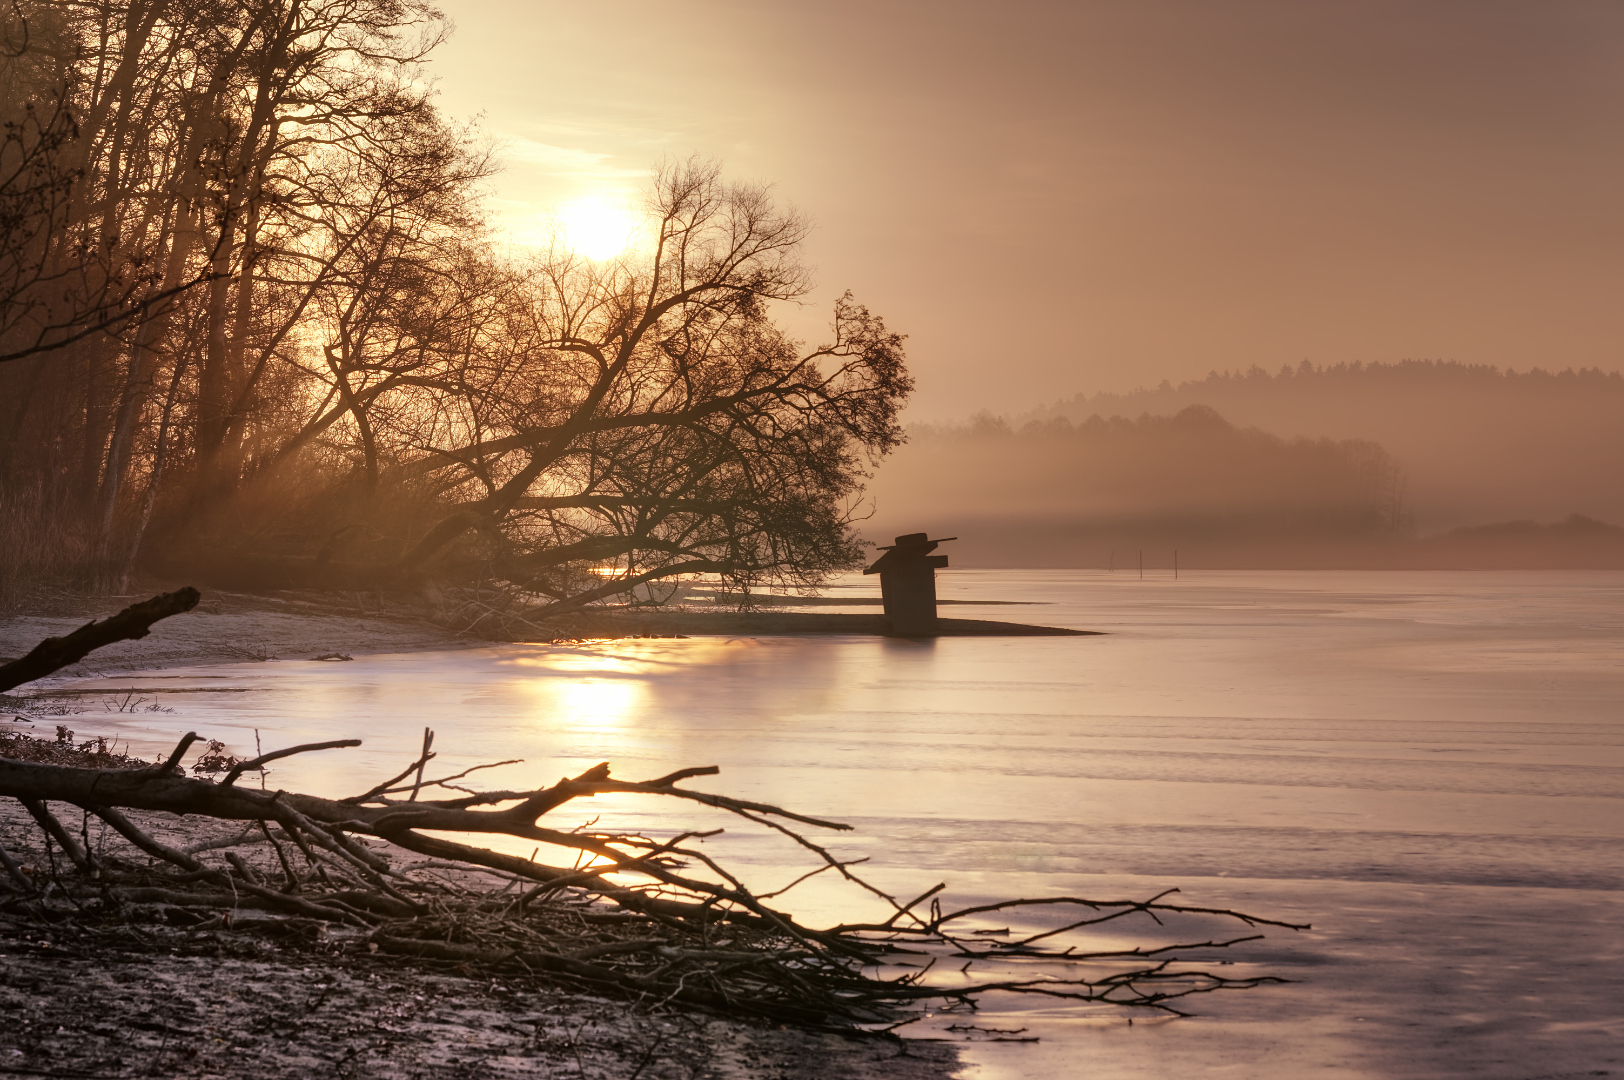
<point>212,1012</point>
<point>156,991</point>
<point>231,627</point>
<point>214,1004</point>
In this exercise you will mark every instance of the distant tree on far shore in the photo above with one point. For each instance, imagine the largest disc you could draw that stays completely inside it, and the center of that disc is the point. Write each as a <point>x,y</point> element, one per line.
<point>1191,478</point>
<point>1478,443</point>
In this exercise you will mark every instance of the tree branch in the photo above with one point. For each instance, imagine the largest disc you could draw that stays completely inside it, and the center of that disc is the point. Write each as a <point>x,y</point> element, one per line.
<point>133,622</point>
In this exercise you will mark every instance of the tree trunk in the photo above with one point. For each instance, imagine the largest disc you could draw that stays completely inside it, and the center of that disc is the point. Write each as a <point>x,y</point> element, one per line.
<point>98,415</point>
<point>136,385</point>
<point>19,413</point>
<point>158,459</point>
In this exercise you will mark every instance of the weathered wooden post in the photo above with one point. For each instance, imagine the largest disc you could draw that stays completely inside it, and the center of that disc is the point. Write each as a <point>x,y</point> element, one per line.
<point>908,584</point>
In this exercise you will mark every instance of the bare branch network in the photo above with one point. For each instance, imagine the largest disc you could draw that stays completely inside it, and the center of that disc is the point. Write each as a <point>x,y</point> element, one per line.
<point>656,920</point>
<point>249,305</point>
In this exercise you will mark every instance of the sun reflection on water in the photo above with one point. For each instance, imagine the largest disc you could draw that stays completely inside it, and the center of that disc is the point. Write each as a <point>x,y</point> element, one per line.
<point>609,702</point>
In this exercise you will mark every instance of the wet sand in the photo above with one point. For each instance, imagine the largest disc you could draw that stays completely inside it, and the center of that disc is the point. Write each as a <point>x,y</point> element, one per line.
<point>162,999</point>
<point>235,627</point>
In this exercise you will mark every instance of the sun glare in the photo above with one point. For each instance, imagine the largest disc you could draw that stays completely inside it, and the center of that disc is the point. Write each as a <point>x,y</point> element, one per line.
<point>596,228</point>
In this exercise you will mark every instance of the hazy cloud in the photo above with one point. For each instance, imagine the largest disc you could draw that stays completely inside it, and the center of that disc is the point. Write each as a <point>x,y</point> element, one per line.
<point>567,161</point>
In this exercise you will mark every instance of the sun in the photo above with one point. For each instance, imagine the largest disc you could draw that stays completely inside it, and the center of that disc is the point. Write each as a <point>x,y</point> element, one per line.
<point>596,227</point>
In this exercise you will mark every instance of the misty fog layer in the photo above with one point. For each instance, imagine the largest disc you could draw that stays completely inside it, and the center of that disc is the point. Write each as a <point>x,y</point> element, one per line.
<point>1477,444</point>
<point>1418,464</point>
<point>1055,493</point>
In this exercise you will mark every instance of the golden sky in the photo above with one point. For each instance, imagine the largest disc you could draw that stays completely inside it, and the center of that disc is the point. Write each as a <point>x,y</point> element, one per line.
<point>1059,197</point>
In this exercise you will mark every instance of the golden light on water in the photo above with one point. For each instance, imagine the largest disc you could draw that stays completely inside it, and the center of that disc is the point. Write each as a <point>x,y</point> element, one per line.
<point>605,686</point>
<point>597,227</point>
<point>604,701</point>
<point>585,687</point>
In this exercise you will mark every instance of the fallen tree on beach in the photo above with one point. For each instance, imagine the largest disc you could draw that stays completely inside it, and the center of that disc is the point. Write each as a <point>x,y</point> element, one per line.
<point>655,920</point>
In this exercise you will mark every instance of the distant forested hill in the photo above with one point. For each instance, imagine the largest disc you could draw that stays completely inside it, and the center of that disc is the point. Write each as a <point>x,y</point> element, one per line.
<point>1054,493</point>
<point>1478,444</point>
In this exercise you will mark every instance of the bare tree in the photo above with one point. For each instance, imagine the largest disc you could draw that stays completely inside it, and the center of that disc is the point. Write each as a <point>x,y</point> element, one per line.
<point>294,239</point>
<point>189,145</point>
<point>660,423</point>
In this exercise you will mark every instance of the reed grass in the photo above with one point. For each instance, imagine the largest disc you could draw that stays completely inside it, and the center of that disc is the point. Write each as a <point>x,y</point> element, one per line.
<point>44,546</point>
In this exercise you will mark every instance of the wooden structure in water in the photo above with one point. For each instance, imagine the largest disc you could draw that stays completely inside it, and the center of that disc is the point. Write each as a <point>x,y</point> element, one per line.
<point>908,584</point>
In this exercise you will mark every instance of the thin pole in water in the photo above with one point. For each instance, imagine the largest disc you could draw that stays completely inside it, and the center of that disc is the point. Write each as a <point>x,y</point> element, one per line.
<point>1141,564</point>
<point>1175,564</point>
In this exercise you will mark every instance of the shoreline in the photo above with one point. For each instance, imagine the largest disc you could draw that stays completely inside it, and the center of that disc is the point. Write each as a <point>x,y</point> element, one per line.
<point>229,627</point>
<point>173,996</point>
<point>159,988</point>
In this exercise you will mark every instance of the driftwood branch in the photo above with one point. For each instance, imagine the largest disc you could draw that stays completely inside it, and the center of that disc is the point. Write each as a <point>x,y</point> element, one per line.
<point>656,919</point>
<point>54,654</point>
<point>677,897</point>
<point>172,762</point>
<point>275,755</point>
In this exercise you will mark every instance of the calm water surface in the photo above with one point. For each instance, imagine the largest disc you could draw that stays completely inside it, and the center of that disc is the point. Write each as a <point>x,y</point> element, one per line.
<point>1427,766</point>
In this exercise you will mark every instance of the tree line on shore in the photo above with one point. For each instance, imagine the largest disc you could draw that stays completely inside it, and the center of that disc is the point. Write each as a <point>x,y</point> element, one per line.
<point>253,320</point>
<point>1050,492</point>
<point>1110,491</point>
<point>1478,443</point>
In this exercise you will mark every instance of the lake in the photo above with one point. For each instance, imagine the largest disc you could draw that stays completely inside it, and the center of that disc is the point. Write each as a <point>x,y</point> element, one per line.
<point>1429,767</point>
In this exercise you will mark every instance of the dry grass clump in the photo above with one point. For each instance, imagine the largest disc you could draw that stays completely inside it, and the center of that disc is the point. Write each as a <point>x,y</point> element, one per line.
<point>94,753</point>
<point>40,547</point>
<point>98,753</point>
